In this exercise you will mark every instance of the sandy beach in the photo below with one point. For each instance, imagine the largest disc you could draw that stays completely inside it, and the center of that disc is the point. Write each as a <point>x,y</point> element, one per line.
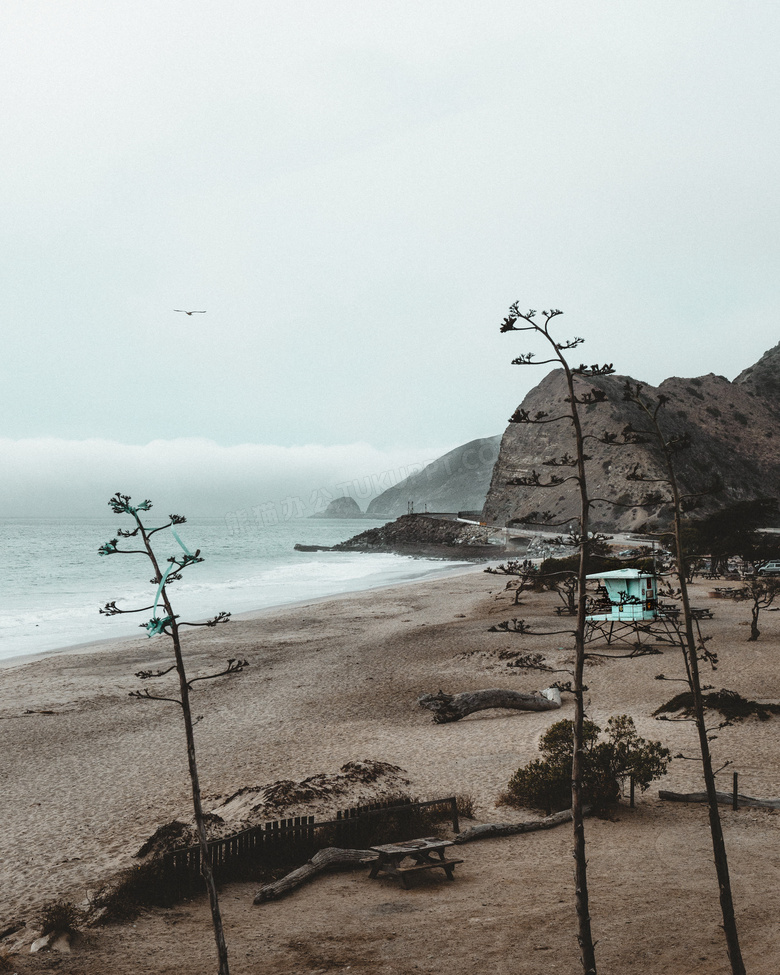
<point>89,773</point>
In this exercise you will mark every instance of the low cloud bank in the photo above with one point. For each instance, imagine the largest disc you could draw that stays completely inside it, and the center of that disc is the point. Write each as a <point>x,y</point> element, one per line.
<point>49,477</point>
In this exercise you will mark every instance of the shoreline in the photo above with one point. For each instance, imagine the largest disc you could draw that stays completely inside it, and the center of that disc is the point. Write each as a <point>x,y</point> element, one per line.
<point>47,608</point>
<point>94,646</point>
<point>435,574</point>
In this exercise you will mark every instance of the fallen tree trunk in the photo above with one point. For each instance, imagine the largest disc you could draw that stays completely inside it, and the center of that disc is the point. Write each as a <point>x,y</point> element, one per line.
<point>488,830</point>
<point>453,707</point>
<point>325,859</point>
<point>724,798</point>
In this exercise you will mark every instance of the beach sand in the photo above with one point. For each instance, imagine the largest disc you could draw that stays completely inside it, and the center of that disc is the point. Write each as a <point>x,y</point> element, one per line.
<point>336,681</point>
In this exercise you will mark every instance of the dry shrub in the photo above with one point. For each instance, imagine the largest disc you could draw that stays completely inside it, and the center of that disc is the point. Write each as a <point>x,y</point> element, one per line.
<point>146,885</point>
<point>731,705</point>
<point>465,805</point>
<point>61,917</point>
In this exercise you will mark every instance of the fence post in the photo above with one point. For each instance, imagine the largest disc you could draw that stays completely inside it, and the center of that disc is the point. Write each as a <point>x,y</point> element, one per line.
<point>735,795</point>
<point>455,821</point>
<point>631,793</point>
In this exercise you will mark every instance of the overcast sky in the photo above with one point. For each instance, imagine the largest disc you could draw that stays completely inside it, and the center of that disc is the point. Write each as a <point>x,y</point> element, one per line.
<point>355,192</point>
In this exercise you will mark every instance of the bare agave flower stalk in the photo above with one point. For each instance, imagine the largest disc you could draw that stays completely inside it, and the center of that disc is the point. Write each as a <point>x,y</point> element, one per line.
<point>165,622</point>
<point>517,321</point>
<point>692,645</point>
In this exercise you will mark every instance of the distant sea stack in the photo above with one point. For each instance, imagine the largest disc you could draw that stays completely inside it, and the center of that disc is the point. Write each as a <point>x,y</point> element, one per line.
<point>734,429</point>
<point>341,508</point>
<point>458,481</point>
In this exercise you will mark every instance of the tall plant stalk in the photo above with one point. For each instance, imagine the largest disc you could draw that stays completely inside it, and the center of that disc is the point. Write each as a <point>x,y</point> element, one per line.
<point>576,463</point>
<point>170,626</point>
<point>691,648</point>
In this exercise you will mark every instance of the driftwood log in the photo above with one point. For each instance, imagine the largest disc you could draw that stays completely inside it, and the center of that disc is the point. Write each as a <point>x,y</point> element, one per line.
<point>329,858</point>
<point>725,798</point>
<point>488,830</point>
<point>453,707</point>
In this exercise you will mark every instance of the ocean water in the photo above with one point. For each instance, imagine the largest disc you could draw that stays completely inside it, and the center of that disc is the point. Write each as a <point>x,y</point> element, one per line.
<point>54,582</point>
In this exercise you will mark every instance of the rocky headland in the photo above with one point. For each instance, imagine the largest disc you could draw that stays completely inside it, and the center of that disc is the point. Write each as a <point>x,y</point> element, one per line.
<point>733,427</point>
<point>734,434</point>
<point>457,481</point>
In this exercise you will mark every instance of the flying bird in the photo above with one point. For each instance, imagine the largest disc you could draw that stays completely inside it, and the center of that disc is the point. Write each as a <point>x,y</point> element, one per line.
<point>189,312</point>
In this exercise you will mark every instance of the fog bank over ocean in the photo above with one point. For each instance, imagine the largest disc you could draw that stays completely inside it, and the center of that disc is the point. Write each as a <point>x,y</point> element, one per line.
<point>48,477</point>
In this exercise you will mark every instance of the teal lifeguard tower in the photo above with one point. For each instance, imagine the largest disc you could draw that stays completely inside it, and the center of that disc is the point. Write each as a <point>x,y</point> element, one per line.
<point>628,611</point>
<point>633,595</point>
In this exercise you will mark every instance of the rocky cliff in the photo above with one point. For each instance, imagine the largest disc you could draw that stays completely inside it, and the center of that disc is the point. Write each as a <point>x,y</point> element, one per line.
<point>763,378</point>
<point>458,481</point>
<point>734,429</point>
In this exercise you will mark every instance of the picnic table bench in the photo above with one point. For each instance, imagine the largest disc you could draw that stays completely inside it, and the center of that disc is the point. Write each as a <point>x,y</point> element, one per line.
<point>426,854</point>
<point>724,592</point>
<point>673,611</point>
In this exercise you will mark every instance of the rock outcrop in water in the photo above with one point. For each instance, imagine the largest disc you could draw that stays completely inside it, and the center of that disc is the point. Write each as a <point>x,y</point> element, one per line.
<point>341,508</point>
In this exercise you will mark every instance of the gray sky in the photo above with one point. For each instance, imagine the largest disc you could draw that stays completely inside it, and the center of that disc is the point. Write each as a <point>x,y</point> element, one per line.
<point>355,192</point>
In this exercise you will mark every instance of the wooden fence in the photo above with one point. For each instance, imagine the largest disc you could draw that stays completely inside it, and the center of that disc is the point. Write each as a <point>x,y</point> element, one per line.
<point>293,841</point>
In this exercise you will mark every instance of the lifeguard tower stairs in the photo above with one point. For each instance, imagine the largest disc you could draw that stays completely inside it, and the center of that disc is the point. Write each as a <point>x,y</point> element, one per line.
<point>626,611</point>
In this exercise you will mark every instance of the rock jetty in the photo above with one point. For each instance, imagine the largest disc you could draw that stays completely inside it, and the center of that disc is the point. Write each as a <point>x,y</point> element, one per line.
<point>425,536</point>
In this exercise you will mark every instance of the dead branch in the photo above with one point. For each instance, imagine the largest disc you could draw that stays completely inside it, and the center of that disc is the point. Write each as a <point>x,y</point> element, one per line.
<point>724,799</point>
<point>330,858</point>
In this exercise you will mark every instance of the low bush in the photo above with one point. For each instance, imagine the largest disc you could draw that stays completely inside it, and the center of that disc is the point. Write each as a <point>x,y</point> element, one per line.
<point>465,804</point>
<point>545,783</point>
<point>61,917</point>
<point>147,885</point>
<point>731,705</point>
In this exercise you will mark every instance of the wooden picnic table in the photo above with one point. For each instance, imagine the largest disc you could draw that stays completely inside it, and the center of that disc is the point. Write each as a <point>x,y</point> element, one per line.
<point>426,854</point>
<point>672,610</point>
